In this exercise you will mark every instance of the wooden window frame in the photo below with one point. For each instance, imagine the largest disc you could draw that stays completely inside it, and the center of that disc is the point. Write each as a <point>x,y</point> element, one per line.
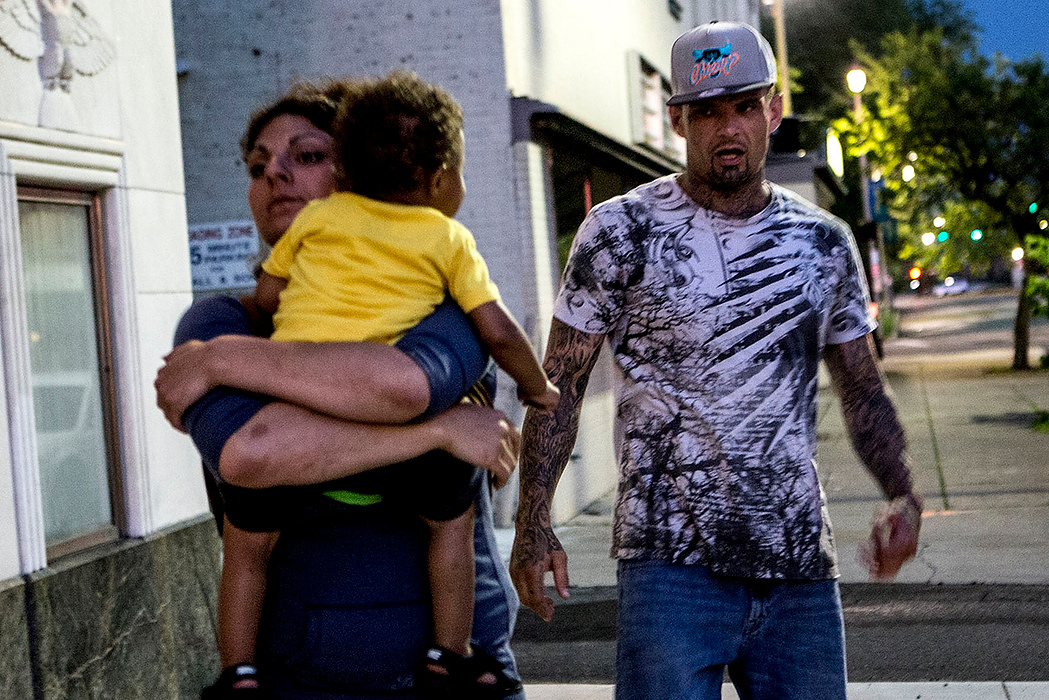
<point>107,384</point>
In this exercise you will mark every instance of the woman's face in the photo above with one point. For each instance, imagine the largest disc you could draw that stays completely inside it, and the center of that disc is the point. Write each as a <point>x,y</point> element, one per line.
<point>290,164</point>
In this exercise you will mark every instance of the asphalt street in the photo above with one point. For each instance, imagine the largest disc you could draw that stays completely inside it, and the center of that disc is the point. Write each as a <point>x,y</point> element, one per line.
<point>974,606</point>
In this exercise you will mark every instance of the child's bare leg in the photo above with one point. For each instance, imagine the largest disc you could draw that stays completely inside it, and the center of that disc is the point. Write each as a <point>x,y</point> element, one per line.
<point>242,590</point>
<point>451,562</point>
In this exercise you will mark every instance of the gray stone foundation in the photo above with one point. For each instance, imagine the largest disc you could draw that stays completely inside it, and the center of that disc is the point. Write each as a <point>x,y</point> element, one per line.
<point>135,619</point>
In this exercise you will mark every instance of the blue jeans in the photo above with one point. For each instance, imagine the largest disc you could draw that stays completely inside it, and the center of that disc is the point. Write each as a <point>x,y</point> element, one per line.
<point>680,626</point>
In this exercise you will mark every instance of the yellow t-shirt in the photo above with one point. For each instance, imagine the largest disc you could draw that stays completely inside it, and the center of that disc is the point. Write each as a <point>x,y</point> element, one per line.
<point>362,269</point>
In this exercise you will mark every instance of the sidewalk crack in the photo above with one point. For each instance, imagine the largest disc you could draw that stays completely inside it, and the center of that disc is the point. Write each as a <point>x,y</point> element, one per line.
<point>919,556</point>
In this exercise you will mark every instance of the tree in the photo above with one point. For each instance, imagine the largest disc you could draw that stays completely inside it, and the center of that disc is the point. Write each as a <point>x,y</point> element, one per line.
<point>819,33</point>
<point>977,132</point>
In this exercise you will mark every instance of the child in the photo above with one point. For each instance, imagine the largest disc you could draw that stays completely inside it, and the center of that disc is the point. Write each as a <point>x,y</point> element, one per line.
<point>370,262</point>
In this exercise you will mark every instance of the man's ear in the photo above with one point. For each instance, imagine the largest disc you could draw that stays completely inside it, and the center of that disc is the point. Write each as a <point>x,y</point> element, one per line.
<point>775,112</point>
<point>677,119</point>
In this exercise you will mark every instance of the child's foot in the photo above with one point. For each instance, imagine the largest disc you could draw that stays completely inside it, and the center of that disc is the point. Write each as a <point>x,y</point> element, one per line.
<point>240,682</point>
<point>476,677</point>
<point>439,659</point>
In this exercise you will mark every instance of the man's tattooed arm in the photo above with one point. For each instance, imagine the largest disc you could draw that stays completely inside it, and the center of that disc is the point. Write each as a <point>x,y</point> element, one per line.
<point>870,416</point>
<point>547,442</point>
<point>877,436</point>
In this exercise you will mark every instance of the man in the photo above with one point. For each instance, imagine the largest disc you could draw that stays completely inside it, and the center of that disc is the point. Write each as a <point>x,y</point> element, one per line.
<point>718,292</point>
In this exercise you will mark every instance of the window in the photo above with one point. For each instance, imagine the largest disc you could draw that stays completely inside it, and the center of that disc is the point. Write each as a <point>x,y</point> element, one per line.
<point>651,118</point>
<point>70,367</point>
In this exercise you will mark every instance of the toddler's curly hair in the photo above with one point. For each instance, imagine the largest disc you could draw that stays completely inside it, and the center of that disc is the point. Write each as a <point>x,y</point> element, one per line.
<point>394,132</point>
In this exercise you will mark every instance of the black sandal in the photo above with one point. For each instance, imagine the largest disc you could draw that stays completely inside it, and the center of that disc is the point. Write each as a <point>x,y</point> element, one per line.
<point>222,688</point>
<point>463,678</point>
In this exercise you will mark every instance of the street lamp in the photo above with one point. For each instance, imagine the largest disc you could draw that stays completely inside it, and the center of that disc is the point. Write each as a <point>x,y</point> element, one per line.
<point>779,19</point>
<point>857,80</point>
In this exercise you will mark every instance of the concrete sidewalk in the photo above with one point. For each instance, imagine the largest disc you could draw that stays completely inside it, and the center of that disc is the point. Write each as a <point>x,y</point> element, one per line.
<point>857,691</point>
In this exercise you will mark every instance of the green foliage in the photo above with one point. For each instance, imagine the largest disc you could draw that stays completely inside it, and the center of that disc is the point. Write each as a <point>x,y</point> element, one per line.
<point>888,319</point>
<point>959,250</point>
<point>1037,253</point>
<point>974,130</point>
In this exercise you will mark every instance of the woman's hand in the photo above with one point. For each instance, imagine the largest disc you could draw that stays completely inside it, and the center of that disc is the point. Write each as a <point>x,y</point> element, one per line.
<point>183,380</point>
<point>481,436</point>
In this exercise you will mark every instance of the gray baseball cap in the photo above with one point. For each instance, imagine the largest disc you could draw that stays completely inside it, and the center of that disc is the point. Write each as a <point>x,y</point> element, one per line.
<point>720,58</point>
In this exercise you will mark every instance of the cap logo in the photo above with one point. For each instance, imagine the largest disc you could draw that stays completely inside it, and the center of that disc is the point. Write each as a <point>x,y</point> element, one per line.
<point>710,63</point>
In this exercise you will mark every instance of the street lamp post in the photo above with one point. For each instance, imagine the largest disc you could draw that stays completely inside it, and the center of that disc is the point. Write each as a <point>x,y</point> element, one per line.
<point>857,81</point>
<point>779,19</point>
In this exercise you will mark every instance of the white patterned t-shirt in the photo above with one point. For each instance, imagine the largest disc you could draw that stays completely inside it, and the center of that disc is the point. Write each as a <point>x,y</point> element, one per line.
<point>717,326</point>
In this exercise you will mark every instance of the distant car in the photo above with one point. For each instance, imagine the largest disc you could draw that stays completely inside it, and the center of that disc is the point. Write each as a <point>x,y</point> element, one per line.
<point>950,286</point>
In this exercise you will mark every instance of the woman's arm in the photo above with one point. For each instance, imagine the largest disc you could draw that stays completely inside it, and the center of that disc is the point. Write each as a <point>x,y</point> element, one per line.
<point>286,445</point>
<point>370,382</point>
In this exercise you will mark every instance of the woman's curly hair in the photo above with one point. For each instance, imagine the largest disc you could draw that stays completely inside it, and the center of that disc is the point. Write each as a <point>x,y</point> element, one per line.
<point>393,132</point>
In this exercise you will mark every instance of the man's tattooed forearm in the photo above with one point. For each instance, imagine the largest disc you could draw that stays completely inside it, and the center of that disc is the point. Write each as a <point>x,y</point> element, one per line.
<point>547,440</point>
<point>873,424</point>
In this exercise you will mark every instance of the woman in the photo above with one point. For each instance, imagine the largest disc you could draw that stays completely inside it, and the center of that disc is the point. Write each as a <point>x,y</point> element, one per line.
<point>347,612</point>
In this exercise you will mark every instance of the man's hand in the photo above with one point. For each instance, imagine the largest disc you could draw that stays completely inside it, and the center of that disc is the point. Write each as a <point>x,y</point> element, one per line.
<point>894,537</point>
<point>183,380</point>
<point>536,551</point>
<point>481,436</point>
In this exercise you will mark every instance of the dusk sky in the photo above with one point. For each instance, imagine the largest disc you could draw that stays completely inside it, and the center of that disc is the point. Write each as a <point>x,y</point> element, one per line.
<point>1017,28</point>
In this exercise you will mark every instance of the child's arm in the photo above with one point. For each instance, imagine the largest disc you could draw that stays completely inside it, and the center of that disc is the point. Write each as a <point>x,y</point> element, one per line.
<point>512,351</point>
<point>267,292</point>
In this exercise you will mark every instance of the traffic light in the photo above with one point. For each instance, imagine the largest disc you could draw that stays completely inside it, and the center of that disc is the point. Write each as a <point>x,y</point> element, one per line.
<point>1033,209</point>
<point>942,238</point>
<point>915,275</point>
<point>976,235</point>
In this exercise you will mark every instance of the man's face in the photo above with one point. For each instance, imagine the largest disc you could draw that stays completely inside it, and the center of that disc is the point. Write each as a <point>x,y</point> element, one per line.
<point>727,137</point>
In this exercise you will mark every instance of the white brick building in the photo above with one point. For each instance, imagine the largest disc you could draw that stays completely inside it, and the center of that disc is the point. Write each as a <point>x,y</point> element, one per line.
<point>554,94</point>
